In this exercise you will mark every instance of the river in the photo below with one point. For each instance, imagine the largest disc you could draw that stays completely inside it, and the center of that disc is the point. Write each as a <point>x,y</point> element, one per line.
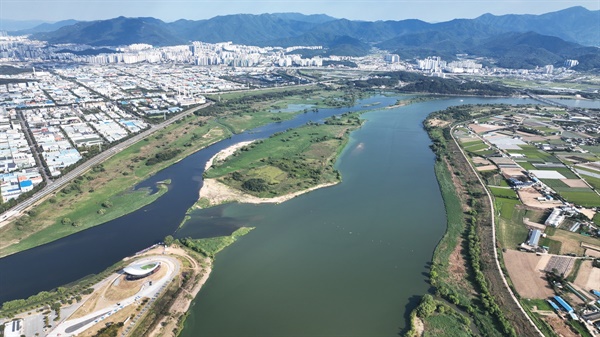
<point>348,260</point>
<point>345,260</point>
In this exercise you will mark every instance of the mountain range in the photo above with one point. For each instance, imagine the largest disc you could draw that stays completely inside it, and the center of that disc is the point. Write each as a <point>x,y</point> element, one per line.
<point>514,41</point>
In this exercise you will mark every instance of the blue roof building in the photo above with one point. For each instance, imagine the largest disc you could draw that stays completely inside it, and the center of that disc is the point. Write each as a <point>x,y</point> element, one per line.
<point>25,184</point>
<point>554,306</point>
<point>596,292</point>
<point>564,304</point>
<point>534,237</point>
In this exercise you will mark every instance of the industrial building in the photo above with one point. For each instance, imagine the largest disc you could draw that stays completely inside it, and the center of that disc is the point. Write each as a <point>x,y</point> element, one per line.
<point>563,304</point>
<point>534,237</point>
<point>13,328</point>
<point>555,218</point>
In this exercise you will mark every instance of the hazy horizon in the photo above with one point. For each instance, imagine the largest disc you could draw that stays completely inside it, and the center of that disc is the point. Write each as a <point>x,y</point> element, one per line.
<point>169,11</point>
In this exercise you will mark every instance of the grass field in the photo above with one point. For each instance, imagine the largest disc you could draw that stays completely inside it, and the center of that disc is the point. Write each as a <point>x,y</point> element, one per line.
<point>511,232</point>
<point>86,217</point>
<point>595,182</point>
<point>526,165</point>
<point>583,197</point>
<point>211,246</point>
<point>593,149</point>
<point>242,122</point>
<point>448,243</point>
<point>555,246</point>
<point>507,193</point>
<point>571,242</point>
<point>439,325</point>
<point>533,154</point>
<point>536,303</point>
<point>555,184</point>
<point>474,146</point>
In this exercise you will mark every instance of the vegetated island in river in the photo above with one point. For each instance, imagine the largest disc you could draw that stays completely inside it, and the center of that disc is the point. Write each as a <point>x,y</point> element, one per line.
<point>281,167</point>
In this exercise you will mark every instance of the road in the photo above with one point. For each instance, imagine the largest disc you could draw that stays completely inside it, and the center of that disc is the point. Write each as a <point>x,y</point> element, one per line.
<point>101,157</point>
<point>491,201</point>
<point>76,326</point>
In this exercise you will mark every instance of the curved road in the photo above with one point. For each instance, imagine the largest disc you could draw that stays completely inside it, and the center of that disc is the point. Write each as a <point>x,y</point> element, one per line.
<point>55,185</point>
<point>494,234</point>
<point>76,326</point>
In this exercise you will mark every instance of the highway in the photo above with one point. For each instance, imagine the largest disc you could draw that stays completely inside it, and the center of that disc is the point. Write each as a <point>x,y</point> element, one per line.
<point>101,157</point>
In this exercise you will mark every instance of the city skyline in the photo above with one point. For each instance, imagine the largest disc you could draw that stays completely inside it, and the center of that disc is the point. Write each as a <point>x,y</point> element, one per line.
<point>443,10</point>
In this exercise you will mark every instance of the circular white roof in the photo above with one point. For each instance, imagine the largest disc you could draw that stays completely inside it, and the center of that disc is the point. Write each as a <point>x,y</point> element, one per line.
<point>140,269</point>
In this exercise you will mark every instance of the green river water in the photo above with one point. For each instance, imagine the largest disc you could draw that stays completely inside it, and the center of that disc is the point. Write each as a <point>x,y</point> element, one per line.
<point>348,260</point>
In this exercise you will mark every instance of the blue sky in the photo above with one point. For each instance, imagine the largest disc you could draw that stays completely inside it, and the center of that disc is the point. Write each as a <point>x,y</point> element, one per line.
<point>370,10</point>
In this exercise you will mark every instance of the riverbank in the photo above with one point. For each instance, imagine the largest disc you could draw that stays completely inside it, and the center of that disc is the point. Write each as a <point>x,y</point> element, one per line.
<point>170,325</point>
<point>215,193</point>
<point>223,154</point>
<point>465,277</point>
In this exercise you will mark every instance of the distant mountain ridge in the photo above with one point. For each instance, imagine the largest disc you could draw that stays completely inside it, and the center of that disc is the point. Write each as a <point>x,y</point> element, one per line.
<point>409,38</point>
<point>575,24</point>
<point>45,27</point>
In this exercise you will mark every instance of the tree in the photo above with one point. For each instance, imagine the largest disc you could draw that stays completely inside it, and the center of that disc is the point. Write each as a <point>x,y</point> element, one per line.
<point>168,240</point>
<point>427,306</point>
<point>255,185</point>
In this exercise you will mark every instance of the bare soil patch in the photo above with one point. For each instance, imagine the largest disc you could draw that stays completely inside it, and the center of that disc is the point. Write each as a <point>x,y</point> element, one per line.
<point>560,327</point>
<point>574,182</point>
<point>438,122</point>
<point>481,128</point>
<point>419,326</point>
<point>588,212</point>
<point>87,307</point>
<point>481,161</point>
<point>529,223</point>
<point>594,279</point>
<point>91,303</point>
<point>457,266</point>
<point>528,279</point>
<point>218,193</point>
<point>512,172</point>
<point>591,252</point>
<point>223,154</point>
<point>588,277</point>
<point>486,168</point>
<point>529,197</point>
